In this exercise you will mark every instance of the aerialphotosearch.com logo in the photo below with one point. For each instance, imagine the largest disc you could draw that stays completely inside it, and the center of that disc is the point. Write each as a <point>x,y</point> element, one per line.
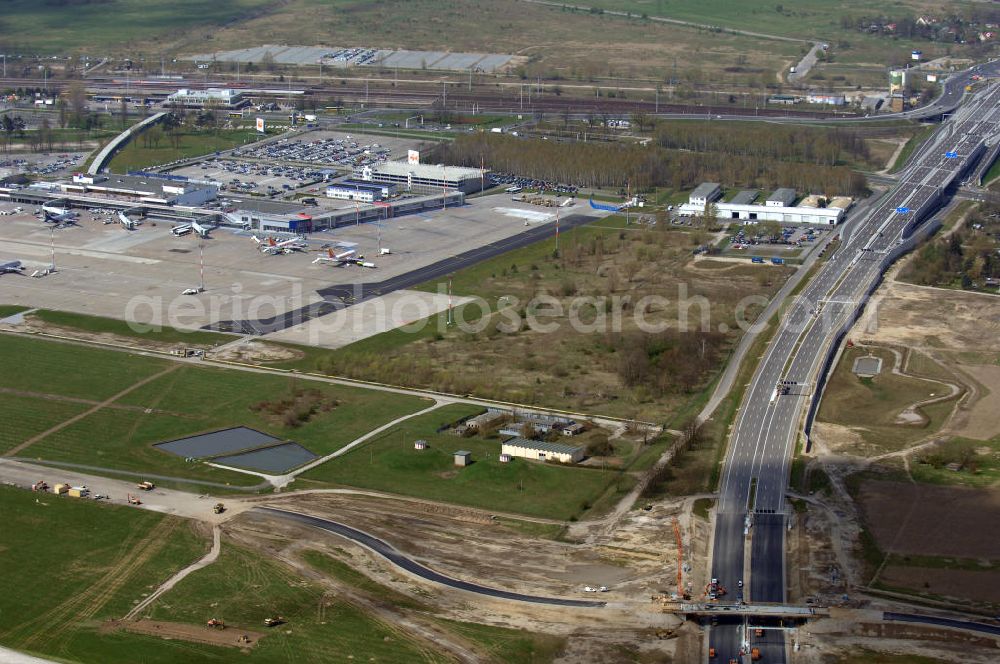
<point>356,315</point>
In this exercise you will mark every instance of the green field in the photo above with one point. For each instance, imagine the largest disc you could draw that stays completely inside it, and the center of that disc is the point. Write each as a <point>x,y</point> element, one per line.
<point>44,366</point>
<point>24,417</point>
<point>505,645</point>
<point>796,19</point>
<point>136,156</point>
<point>870,405</point>
<point>96,560</point>
<point>95,27</point>
<point>187,400</point>
<point>100,325</point>
<point>389,463</point>
<point>11,309</point>
<point>979,463</point>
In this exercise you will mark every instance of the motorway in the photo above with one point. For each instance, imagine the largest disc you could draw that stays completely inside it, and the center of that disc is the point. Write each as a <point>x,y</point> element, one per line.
<point>768,424</point>
<point>387,551</point>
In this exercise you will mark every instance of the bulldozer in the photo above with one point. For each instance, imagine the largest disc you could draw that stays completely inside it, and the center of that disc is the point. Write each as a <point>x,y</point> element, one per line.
<point>215,623</point>
<point>219,508</point>
<point>274,621</point>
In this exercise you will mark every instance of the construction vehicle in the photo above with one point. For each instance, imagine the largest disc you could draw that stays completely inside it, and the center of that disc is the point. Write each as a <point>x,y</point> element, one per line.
<point>755,654</point>
<point>133,500</point>
<point>219,508</point>
<point>215,623</point>
<point>145,486</point>
<point>273,621</point>
<point>40,485</point>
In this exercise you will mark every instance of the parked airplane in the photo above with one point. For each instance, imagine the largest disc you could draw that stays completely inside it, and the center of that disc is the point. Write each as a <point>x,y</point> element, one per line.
<point>12,266</point>
<point>273,248</point>
<point>59,219</point>
<point>335,259</point>
<point>57,211</point>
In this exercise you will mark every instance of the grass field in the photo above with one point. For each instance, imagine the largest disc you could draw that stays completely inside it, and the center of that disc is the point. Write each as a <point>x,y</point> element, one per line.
<point>554,42</point>
<point>96,560</point>
<point>42,366</point>
<point>33,27</point>
<point>503,645</point>
<point>100,325</point>
<point>24,417</point>
<point>576,364</point>
<point>797,19</point>
<point>135,155</point>
<point>389,463</point>
<point>243,587</point>
<point>184,401</point>
<point>979,463</point>
<point>11,309</point>
<point>911,145</point>
<point>870,405</point>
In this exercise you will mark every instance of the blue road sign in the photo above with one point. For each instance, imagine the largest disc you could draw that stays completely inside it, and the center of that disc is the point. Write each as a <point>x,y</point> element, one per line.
<point>902,210</point>
<point>951,155</point>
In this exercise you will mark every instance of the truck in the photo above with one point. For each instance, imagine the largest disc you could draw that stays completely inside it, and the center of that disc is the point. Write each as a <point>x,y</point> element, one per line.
<point>756,259</point>
<point>777,260</point>
<point>145,486</point>
<point>79,491</point>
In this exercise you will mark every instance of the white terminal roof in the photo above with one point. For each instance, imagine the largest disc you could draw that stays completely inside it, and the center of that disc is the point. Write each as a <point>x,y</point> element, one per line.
<point>428,171</point>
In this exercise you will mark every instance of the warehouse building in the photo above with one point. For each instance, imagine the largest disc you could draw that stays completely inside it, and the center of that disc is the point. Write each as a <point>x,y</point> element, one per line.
<point>356,190</point>
<point>542,451</point>
<point>218,97</point>
<point>776,207</point>
<point>424,178</point>
<point>143,188</point>
<point>783,197</point>
<point>705,193</point>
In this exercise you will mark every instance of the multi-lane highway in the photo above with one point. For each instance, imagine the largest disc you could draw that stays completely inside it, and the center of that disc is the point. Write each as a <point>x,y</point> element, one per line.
<point>789,378</point>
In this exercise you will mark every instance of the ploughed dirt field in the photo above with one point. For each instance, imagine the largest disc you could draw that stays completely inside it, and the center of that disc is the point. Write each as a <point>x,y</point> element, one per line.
<point>922,519</point>
<point>978,586</point>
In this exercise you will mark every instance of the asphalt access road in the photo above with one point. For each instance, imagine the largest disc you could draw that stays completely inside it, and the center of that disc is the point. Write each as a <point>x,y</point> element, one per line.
<point>943,622</point>
<point>387,551</point>
<point>342,295</point>
<point>354,293</point>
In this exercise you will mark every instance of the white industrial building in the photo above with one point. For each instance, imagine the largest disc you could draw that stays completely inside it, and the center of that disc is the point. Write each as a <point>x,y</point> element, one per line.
<point>705,193</point>
<point>542,451</point>
<point>776,207</point>
<point>355,190</point>
<point>425,178</point>
<point>220,97</point>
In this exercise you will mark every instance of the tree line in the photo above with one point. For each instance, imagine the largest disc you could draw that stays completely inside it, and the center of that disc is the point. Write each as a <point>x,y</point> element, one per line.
<point>612,166</point>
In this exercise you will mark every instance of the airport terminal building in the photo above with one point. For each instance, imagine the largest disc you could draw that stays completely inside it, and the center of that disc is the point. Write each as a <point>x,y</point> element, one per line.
<point>144,188</point>
<point>424,178</point>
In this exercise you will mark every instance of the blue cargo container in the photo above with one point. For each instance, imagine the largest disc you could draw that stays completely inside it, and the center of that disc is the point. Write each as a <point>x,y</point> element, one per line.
<point>756,259</point>
<point>778,261</point>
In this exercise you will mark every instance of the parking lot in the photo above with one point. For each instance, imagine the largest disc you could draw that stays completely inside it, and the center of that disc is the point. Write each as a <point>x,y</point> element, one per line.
<point>511,180</point>
<point>792,241</point>
<point>41,164</point>
<point>246,177</point>
<point>329,149</point>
